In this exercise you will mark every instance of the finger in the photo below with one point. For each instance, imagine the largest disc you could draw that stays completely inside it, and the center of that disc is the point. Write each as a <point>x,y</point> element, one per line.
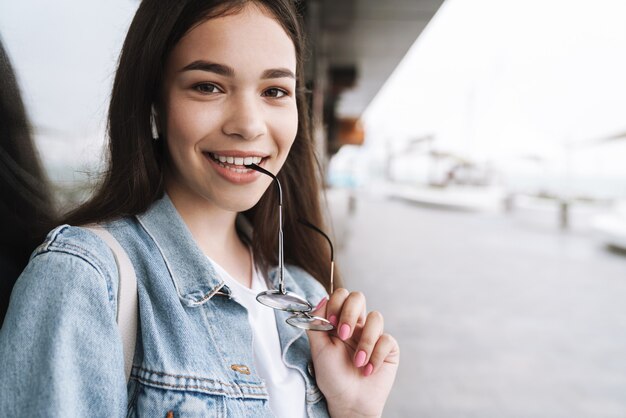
<point>370,334</point>
<point>333,308</point>
<point>352,310</point>
<point>318,339</point>
<point>385,350</point>
<point>321,308</point>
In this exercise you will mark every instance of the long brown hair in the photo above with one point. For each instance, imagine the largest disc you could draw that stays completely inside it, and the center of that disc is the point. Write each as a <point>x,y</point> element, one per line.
<point>134,178</point>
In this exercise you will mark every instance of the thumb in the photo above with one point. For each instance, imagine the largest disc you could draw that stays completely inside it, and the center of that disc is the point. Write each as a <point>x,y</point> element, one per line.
<point>318,339</point>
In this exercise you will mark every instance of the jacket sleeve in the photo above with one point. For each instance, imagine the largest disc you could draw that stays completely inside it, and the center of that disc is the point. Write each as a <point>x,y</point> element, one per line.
<point>60,349</point>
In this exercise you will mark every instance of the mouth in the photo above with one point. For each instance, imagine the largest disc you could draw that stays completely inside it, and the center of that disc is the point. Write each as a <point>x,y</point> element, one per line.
<point>236,163</point>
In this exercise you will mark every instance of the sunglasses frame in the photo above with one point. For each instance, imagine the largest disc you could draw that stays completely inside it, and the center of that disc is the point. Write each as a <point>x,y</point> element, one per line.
<point>297,305</point>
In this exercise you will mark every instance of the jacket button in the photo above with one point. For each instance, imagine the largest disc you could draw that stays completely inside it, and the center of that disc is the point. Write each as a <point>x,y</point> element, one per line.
<point>310,369</point>
<point>241,368</point>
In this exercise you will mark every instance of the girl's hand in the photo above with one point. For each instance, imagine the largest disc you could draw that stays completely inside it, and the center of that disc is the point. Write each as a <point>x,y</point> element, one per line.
<point>355,365</point>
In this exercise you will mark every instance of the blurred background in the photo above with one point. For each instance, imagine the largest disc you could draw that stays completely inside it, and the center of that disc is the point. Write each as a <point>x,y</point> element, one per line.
<point>476,180</point>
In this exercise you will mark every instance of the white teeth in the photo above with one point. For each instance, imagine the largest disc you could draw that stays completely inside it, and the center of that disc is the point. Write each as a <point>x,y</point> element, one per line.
<point>237,160</point>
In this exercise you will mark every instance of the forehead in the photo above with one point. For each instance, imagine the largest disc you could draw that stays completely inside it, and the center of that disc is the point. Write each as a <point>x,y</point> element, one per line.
<point>250,39</point>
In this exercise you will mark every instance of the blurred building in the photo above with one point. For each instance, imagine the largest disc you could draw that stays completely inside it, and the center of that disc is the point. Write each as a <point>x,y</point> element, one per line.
<point>354,47</point>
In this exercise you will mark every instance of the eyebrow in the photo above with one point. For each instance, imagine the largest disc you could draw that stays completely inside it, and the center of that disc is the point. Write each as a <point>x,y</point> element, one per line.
<point>277,73</point>
<point>210,67</point>
<point>227,71</point>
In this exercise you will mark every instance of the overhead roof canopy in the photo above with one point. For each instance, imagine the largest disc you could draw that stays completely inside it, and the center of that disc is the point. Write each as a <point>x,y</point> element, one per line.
<point>371,36</point>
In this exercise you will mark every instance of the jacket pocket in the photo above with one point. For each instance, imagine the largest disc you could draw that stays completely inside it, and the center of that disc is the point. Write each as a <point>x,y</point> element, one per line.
<point>166,403</point>
<point>168,395</point>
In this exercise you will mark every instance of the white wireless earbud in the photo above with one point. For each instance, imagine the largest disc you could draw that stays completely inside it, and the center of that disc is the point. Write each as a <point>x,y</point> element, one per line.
<point>153,125</point>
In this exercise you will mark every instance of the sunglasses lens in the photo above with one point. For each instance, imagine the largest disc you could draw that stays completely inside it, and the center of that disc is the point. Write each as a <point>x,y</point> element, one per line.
<point>314,323</point>
<point>284,301</point>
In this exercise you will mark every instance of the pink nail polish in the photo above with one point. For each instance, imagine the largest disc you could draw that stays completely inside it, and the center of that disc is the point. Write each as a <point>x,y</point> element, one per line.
<point>344,331</point>
<point>333,320</point>
<point>359,360</point>
<point>368,369</point>
<point>322,303</point>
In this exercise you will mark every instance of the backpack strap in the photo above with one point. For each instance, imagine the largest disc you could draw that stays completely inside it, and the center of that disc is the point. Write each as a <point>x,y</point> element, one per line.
<point>127,306</point>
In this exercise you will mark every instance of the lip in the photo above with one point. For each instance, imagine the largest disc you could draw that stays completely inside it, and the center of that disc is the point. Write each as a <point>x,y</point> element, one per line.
<point>229,175</point>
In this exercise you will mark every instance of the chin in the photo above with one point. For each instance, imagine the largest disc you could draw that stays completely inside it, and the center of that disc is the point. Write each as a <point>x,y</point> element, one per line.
<point>240,203</point>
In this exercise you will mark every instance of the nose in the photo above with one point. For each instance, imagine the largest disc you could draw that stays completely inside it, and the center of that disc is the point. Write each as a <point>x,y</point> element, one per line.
<point>244,118</point>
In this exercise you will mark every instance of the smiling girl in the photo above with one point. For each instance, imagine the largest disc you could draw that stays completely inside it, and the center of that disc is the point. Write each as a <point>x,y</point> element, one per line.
<point>204,90</point>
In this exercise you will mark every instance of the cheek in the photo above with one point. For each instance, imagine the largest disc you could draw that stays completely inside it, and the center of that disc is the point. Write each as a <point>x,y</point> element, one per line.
<point>180,123</point>
<point>186,126</point>
<point>179,144</point>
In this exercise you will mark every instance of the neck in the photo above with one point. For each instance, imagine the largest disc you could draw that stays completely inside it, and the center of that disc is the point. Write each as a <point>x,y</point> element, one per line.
<point>213,229</point>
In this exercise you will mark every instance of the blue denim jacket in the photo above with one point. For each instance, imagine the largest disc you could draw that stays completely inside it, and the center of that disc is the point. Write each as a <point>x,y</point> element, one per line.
<point>60,347</point>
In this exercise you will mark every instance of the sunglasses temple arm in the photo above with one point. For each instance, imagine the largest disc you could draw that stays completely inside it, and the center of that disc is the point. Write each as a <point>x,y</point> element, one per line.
<point>332,276</point>
<point>281,256</point>
<point>332,251</point>
<point>319,231</point>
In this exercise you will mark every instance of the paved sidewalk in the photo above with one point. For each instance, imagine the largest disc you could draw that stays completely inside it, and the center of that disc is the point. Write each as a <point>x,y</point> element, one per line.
<point>497,316</point>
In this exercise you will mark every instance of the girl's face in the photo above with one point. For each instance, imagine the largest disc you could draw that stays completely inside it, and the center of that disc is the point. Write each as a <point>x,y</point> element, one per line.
<point>229,100</point>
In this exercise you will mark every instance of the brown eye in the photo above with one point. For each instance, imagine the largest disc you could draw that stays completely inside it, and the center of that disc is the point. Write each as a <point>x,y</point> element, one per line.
<point>275,93</point>
<point>206,88</point>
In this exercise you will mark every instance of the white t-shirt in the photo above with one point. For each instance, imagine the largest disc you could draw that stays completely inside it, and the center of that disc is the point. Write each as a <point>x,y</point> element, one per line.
<point>285,386</point>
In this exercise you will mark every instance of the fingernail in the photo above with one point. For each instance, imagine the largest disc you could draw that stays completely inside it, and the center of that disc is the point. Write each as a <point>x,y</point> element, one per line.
<point>322,303</point>
<point>368,369</point>
<point>344,331</point>
<point>333,320</point>
<point>359,360</point>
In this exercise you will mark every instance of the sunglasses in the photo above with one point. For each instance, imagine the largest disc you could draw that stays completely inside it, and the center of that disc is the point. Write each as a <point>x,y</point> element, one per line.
<point>282,299</point>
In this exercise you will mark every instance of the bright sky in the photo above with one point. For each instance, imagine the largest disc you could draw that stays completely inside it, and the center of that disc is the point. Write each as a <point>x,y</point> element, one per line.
<point>495,78</point>
<point>65,54</point>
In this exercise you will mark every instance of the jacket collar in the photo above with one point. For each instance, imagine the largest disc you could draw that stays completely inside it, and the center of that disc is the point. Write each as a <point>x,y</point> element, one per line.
<point>194,277</point>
